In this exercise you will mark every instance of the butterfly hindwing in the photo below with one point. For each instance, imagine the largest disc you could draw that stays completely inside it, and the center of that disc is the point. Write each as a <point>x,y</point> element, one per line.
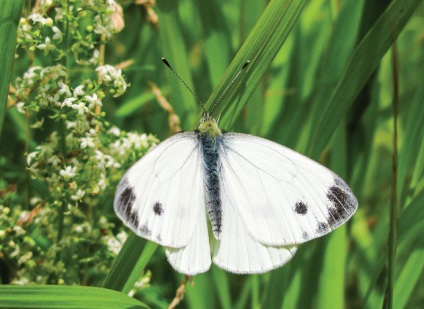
<point>195,257</point>
<point>160,196</point>
<point>237,251</point>
<point>283,197</point>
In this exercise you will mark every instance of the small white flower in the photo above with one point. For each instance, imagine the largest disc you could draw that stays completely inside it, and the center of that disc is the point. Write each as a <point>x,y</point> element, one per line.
<point>81,108</point>
<point>47,46</point>
<point>79,91</point>
<point>71,124</point>
<point>122,237</point>
<point>78,196</point>
<point>64,89</point>
<point>60,14</point>
<point>113,245</point>
<point>68,173</point>
<point>31,156</point>
<point>58,36</point>
<point>54,100</point>
<point>68,102</point>
<point>53,160</point>
<point>38,18</point>
<point>87,142</point>
<point>93,101</point>
<point>19,107</point>
<point>115,131</point>
<point>53,72</point>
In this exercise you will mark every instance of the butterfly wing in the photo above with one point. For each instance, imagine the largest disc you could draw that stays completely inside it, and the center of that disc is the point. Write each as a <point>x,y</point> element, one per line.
<point>236,251</point>
<point>195,257</point>
<point>283,197</point>
<point>160,196</point>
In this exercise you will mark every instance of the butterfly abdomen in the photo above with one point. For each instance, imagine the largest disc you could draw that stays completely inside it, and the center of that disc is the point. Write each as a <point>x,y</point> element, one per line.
<point>209,146</point>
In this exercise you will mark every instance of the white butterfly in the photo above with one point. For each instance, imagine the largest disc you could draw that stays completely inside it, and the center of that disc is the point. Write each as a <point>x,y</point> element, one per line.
<point>262,200</point>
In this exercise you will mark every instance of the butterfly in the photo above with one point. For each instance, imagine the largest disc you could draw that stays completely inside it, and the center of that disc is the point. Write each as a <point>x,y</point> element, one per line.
<point>243,202</point>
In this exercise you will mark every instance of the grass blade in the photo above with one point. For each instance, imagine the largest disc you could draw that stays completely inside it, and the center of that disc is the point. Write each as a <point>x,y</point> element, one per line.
<point>9,19</point>
<point>129,264</point>
<point>260,48</point>
<point>58,296</point>
<point>363,62</point>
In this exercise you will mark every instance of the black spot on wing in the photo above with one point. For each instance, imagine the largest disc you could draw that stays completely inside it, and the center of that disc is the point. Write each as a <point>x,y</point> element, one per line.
<point>322,228</point>
<point>305,235</point>
<point>301,208</point>
<point>343,203</point>
<point>158,209</point>
<point>145,230</point>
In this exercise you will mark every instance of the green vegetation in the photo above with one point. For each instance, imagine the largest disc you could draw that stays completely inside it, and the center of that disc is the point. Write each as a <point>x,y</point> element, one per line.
<point>329,79</point>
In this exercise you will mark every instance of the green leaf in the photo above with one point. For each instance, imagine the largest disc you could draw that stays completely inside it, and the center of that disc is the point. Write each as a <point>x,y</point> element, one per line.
<point>130,263</point>
<point>60,296</point>
<point>363,62</point>
<point>9,19</point>
<point>260,48</point>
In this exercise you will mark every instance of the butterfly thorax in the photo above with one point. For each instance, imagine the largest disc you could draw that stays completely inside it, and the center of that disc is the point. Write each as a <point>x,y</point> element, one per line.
<point>209,127</point>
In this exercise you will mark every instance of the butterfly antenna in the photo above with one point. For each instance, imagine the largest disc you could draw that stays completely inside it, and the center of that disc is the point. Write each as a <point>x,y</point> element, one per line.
<point>181,80</point>
<point>229,85</point>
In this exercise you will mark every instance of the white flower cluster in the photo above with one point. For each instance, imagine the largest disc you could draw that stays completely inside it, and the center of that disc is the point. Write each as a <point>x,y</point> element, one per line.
<point>112,77</point>
<point>51,91</point>
<point>90,173</point>
<point>102,27</point>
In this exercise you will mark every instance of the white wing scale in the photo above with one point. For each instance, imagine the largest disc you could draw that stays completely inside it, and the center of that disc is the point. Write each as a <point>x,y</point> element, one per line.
<point>283,197</point>
<point>161,195</point>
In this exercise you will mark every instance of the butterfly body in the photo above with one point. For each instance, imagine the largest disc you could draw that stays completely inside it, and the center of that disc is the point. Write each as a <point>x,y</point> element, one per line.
<point>210,139</point>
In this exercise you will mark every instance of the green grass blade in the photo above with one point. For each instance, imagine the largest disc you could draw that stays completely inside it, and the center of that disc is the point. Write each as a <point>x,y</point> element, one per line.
<point>129,264</point>
<point>58,296</point>
<point>409,151</point>
<point>175,51</point>
<point>201,292</point>
<point>222,287</point>
<point>260,48</point>
<point>217,42</point>
<point>9,19</point>
<point>363,62</point>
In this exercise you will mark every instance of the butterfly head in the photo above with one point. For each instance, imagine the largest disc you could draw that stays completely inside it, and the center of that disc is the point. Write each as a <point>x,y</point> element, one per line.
<point>209,126</point>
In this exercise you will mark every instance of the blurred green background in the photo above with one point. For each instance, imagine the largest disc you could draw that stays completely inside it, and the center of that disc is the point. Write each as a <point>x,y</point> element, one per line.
<point>320,81</point>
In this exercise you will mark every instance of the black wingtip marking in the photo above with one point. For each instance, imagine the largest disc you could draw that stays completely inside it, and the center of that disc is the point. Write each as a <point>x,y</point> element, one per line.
<point>343,203</point>
<point>127,199</point>
<point>158,209</point>
<point>301,208</point>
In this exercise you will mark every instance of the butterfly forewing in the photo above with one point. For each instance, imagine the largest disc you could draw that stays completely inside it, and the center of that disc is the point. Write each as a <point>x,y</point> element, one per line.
<point>160,196</point>
<point>283,197</point>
